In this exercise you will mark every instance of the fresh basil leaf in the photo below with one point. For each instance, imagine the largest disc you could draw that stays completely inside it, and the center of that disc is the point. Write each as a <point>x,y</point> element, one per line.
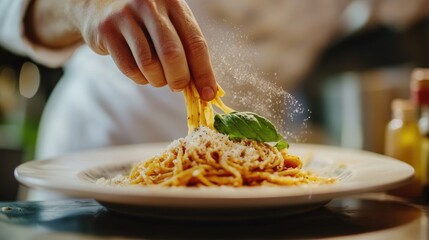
<point>224,124</point>
<point>248,125</point>
<point>245,129</point>
<point>282,145</point>
<point>269,132</point>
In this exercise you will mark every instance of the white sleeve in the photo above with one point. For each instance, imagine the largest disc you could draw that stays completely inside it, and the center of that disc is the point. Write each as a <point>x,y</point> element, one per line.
<point>12,36</point>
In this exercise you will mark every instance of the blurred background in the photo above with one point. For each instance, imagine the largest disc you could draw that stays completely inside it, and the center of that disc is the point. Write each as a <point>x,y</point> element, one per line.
<point>344,61</point>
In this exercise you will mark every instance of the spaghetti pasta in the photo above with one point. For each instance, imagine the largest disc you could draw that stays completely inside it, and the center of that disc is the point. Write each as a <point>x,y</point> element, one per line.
<point>201,113</point>
<point>208,158</point>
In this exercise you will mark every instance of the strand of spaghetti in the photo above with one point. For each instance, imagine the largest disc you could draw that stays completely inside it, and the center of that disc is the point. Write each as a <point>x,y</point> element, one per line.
<point>237,167</point>
<point>146,178</point>
<point>195,101</point>
<point>209,115</point>
<point>238,180</point>
<point>188,107</point>
<point>203,179</point>
<point>194,90</point>
<point>220,91</point>
<point>160,178</point>
<point>165,166</point>
<point>282,161</point>
<point>148,168</point>
<point>186,174</point>
<point>191,112</point>
<point>195,109</point>
<point>178,166</point>
<point>211,160</point>
<point>221,180</point>
<point>286,180</point>
<point>194,157</point>
<point>203,119</point>
<point>134,172</point>
<point>218,102</point>
<point>288,172</point>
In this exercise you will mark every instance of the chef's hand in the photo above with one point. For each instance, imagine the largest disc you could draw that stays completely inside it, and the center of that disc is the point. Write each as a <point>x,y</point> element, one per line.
<point>156,42</point>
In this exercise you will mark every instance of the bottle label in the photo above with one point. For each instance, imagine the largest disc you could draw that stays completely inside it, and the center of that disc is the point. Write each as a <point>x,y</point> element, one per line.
<point>421,96</point>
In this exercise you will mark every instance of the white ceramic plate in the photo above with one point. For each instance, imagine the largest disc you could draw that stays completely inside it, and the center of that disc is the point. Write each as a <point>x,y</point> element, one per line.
<point>357,172</point>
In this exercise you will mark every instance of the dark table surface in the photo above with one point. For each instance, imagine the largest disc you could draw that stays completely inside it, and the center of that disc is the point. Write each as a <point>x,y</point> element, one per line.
<point>371,216</point>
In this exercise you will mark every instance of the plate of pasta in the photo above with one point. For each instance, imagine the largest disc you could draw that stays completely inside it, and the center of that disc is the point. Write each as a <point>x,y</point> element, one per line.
<point>77,175</point>
<point>230,165</point>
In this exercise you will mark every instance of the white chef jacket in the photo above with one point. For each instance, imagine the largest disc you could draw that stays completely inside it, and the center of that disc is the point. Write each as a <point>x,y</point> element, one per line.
<point>94,104</point>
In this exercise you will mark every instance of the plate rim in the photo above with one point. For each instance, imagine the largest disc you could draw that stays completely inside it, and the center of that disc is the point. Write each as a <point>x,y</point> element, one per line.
<point>272,197</point>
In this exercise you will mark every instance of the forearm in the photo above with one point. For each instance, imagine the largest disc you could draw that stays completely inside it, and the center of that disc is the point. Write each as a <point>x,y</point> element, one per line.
<point>52,23</point>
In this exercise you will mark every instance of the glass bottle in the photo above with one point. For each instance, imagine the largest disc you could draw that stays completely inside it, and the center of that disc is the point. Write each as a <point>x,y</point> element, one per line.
<point>420,96</point>
<point>402,142</point>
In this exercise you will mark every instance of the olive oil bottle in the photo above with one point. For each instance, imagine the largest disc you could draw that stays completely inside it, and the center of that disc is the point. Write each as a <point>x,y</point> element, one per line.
<point>402,142</point>
<point>420,96</point>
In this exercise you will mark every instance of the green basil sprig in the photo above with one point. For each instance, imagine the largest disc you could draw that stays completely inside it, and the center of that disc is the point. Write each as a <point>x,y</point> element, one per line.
<point>248,125</point>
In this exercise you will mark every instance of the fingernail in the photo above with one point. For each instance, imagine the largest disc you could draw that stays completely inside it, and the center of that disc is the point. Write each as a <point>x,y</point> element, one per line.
<point>208,93</point>
<point>177,90</point>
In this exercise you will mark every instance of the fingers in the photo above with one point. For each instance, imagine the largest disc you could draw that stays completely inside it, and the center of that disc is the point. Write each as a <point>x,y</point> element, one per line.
<point>197,52</point>
<point>143,52</point>
<point>159,43</point>
<point>167,45</point>
<point>124,59</point>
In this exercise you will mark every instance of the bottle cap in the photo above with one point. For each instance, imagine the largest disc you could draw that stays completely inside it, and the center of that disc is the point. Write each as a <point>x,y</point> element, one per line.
<point>404,109</point>
<point>420,86</point>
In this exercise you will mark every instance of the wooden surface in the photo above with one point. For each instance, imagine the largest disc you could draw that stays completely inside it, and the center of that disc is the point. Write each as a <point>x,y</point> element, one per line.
<point>373,216</point>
